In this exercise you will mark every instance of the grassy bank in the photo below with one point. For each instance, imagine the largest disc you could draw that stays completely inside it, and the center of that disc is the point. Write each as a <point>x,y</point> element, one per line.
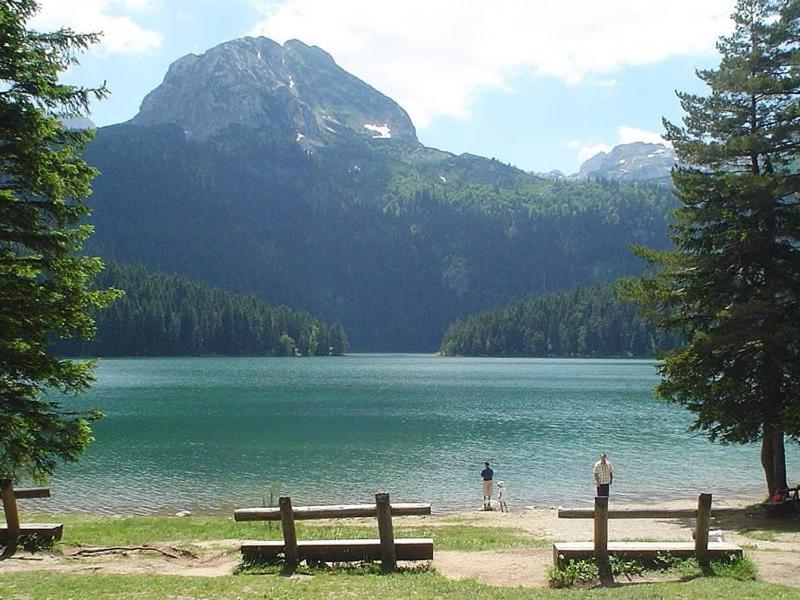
<point>200,532</point>
<point>108,531</point>
<point>353,585</point>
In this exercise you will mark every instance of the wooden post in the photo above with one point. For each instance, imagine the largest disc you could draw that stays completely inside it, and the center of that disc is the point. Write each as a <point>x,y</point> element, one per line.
<point>701,530</point>
<point>289,533</point>
<point>601,528</point>
<point>386,532</point>
<point>12,515</point>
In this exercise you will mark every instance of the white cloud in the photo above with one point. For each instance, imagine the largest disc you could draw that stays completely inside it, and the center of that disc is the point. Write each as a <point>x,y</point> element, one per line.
<point>587,152</point>
<point>121,34</point>
<point>625,135</point>
<point>628,135</point>
<point>434,57</point>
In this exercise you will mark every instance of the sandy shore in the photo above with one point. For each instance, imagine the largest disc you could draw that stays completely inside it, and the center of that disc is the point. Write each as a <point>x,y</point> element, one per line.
<point>543,523</point>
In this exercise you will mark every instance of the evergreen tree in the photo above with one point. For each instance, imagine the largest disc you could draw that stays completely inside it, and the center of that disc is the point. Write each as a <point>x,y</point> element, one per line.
<point>587,321</point>
<point>43,278</point>
<point>732,285</point>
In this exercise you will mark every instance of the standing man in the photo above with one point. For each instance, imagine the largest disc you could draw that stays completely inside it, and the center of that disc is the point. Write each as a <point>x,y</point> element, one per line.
<point>603,474</point>
<point>487,474</point>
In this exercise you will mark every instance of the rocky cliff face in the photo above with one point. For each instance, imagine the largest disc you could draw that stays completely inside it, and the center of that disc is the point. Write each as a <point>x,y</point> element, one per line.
<point>630,162</point>
<point>294,91</point>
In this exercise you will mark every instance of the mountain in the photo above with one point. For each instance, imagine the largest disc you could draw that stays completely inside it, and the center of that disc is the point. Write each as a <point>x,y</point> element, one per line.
<point>250,168</point>
<point>638,161</point>
<point>296,92</point>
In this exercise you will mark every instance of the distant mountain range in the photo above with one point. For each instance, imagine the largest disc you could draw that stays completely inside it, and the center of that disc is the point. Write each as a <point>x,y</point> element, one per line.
<point>630,162</point>
<point>267,169</point>
<point>636,162</point>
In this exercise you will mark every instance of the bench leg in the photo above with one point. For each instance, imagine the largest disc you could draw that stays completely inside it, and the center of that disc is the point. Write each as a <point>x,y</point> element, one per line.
<point>12,516</point>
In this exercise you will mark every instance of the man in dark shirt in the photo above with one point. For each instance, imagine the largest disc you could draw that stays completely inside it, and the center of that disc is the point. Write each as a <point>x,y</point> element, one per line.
<point>487,475</point>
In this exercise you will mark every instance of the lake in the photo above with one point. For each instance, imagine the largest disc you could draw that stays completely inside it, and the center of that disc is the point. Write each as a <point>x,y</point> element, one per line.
<point>211,434</point>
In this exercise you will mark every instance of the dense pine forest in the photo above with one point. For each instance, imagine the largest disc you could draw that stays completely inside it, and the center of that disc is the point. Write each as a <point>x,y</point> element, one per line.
<point>584,322</point>
<point>393,242</point>
<point>167,315</point>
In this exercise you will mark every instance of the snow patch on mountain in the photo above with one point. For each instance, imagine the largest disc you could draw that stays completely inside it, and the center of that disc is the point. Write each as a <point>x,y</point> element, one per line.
<point>383,132</point>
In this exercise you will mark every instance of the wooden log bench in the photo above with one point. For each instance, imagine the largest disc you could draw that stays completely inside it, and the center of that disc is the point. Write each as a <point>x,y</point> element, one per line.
<point>386,548</point>
<point>11,530</point>
<point>788,503</point>
<point>600,547</point>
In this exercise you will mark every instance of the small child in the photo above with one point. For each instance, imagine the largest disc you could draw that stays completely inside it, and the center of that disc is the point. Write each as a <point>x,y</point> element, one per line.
<point>502,497</point>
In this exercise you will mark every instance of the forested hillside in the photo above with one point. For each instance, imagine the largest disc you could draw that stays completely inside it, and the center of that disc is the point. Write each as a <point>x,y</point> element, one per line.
<point>328,203</point>
<point>166,315</point>
<point>583,322</point>
<point>393,250</point>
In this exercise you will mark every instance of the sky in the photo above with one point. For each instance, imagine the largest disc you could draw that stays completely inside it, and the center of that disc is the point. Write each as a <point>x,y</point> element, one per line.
<point>540,84</point>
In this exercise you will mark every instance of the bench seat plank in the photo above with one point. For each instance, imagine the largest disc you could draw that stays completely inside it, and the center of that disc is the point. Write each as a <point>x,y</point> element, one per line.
<point>341,550</point>
<point>564,551</point>
<point>331,512</point>
<point>22,493</point>
<point>644,513</point>
<point>47,531</point>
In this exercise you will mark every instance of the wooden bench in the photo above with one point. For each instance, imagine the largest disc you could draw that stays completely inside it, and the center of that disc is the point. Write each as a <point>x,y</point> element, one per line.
<point>11,530</point>
<point>701,548</point>
<point>792,494</point>
<point>386,548</point>
<point>788,504</point>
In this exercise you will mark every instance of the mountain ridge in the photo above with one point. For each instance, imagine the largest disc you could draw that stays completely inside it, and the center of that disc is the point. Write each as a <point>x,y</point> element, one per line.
<point>391,238</point>
<point>637,161</point>
<point>294,89</point>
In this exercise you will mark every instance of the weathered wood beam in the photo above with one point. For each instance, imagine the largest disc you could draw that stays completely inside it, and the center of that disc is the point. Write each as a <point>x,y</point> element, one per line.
<point>12,529</point>
<point>341,550</point>
<point>645,513</point>
<point>25,493</point>
<point>46,531</point>
<point>701,530</point>
<point>565,551</point>
<point>386,532</point>
<point>289,533</point>
<point>330,512</point>
<point>601,528</point>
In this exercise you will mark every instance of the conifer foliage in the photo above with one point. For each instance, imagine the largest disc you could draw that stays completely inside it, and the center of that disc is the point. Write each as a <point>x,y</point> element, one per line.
<point>167,315</point>
<point>43,278</point>
<point>732,285</point>
<point>583,322</point>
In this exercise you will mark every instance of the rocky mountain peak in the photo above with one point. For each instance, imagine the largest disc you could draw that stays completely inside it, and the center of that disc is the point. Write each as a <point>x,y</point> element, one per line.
<point>294,90</point>
<point>638,161</point>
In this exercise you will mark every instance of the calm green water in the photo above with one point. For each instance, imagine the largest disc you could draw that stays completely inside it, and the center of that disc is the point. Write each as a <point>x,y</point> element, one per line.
<point>215,433</point>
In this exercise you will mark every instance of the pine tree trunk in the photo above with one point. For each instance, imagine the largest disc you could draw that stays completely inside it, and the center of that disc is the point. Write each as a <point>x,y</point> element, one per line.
<point>773,460</point>
<point>767,462</point>
<point>779,461</point>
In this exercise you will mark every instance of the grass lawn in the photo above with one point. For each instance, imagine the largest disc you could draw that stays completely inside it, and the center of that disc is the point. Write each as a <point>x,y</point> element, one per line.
<point>361,582</point>
<point>418,585</point>
<point>108,531</point>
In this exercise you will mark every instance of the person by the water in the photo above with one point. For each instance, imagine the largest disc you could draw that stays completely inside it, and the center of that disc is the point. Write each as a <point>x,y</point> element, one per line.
<point>502,496</point>
<point>487,475</point>
<point>603,474</point>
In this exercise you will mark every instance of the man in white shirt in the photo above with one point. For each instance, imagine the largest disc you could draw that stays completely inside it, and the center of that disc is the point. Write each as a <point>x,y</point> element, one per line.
<point>603,474</point>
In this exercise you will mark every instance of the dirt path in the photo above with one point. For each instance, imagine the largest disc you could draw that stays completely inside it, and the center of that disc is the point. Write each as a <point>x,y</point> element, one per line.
<point>777,559</point>
<point>208,565</point>
<point>504,568</point>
